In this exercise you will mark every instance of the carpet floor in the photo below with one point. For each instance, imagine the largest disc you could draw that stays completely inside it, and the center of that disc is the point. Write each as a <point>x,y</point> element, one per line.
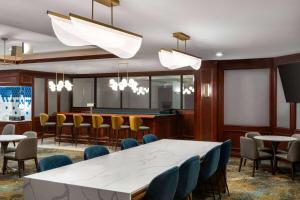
<point>264,186</point>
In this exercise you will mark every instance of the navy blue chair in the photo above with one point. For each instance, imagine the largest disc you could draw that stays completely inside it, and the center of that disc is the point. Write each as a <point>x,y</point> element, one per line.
<point>188,178</point>
<point>225,152</point>
<point>95,151</point>
<point>209,166</point>
<point>128,143</point>
<point>53,162</point>
<point>149,138</point>
<point>163,187</point>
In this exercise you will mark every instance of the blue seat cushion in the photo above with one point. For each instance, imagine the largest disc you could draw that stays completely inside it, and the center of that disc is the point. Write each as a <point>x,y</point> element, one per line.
<point>95,151</point>
<point>53,162</point>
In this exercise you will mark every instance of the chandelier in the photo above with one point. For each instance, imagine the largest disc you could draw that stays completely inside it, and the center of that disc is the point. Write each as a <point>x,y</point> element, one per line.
<point>58,86</point>
<point>174,59</point>
<point>127,82</point>
<point>75,30</point>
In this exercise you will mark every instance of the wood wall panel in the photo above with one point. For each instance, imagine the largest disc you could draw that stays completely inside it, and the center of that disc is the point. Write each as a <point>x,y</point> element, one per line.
<point>186,123</point>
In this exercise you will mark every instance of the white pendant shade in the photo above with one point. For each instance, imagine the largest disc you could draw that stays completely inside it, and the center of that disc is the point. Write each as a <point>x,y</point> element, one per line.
<point>64,30</point>
<point>173,59</point>
<point>119,42</point>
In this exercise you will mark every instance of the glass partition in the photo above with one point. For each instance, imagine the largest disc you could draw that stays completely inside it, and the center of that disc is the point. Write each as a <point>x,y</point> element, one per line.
<point>106,96</point>
<point>15,102</point>
<point>83,91</point>
<point>188,91</point>
<point>137,96</point>
<point>165,92</point>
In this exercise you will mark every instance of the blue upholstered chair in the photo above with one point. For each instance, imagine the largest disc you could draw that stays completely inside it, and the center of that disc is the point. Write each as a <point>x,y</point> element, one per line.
<point>95,151</point>
<point>128,143</point>
<point>163,187</point>
<point>149,138</point>
<point>53,162</point>
<point>188,178</point>
<point>225,152</point>
<point>209,166</point>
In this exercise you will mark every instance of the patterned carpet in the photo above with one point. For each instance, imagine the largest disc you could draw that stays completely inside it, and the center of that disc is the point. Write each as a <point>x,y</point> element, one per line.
<point>241,185</point>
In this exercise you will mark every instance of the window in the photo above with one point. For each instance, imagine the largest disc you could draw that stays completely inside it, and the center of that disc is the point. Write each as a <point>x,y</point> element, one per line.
<point>188,92</point>
<point>246,97</point>
<point>106,97</point>
<point>39,96</point>
<point>137,98</point>
<point>283,108</point>
<point>165,92</point>
<point>83,91</point>
<point>52,100</point>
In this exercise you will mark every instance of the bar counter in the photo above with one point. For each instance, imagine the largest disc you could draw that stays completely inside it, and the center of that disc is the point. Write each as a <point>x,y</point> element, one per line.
<point>162,125</point>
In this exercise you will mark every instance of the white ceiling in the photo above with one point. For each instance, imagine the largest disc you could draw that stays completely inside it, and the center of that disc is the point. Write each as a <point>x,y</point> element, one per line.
<point>240,29</point>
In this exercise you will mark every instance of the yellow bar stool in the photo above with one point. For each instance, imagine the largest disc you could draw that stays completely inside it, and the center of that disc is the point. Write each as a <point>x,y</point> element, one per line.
<point>60,124</point>
<point>78,125</point>
<point>136,126</point>
<point>45,124</point>
<point>117,126</point>
<point>98,125</point>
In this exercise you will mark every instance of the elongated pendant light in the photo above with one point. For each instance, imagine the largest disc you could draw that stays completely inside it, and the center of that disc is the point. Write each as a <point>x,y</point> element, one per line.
<point>75,30</point>
<point>174,59</point>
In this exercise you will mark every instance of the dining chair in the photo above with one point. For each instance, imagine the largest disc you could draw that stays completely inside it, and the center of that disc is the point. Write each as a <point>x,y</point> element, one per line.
<point>98,125</point>
<point>225,152</point>
<point>149,138</point>
<point>95,151</point>
<point>117,125</point>
<point>136,126</point>
<point>259,143</point>
<point>26,150</point>
<point>78,125</point>
<point>285,151</point>
<point>163,186</point>
<point>209,166</point>
<point>45,124</point>
<point>129,143</point>
<point>188,178</point>
<point>9,129</point>
<point>30,134</point>
<point>249,151</point>
<point>53,162</point>
<point>60,124</point>
<point>293,157</point>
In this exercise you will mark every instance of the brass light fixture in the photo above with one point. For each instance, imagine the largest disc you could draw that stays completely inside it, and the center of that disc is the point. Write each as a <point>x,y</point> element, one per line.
<point>174,58</point>
<point>75,30</point>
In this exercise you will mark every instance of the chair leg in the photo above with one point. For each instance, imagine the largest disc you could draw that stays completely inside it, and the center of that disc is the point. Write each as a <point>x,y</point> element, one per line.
<point>293,170</point>
<point>59,135</point>
<point>4,165</point>
<point>42,134</point>
<point>117,139</point>
<point>219,191</point>
<point>36,164</point>
<point>245,162</point>
<point>212,189</point>
<point>19,168</point>
<point>254,166</point>
<point>272,165</point>
<point>225,180</point>
<point>241,162</point>
<point>23,166</point>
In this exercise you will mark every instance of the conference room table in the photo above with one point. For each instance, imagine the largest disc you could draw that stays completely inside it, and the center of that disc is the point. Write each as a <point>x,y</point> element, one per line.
<point>123,175</point>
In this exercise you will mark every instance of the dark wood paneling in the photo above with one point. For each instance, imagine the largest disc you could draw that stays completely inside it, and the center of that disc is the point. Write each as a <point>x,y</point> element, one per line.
<point>186,123</point>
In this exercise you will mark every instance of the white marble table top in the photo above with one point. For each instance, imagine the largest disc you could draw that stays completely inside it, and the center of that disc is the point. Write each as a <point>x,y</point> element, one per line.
<point>121,173</point>
<point>275,138</point>
<point>12,138</point>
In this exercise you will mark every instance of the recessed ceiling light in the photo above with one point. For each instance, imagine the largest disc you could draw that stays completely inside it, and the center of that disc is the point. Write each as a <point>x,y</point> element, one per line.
<point>219,54</point>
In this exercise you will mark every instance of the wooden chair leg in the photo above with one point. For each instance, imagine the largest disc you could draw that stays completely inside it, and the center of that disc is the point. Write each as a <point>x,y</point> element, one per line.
<point>23,166</point>
<point>212,189</point>
<point>245,162</point>
<point>4,165</point>
<point>225,181</point>
<point>241,162</point>
<point>36,164</point>
<point>117,139</point>
<point>42,134</point>
<point>19,168</point>
<point>254,166</point>
<point>59,134</point>
<point>293,170</point>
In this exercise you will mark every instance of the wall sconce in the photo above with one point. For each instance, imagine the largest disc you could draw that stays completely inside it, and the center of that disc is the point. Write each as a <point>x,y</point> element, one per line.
<point>206,90</point>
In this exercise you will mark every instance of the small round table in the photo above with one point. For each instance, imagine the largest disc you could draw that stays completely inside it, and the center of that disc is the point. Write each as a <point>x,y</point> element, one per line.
<point>275,140</point>
<point>5,139</point>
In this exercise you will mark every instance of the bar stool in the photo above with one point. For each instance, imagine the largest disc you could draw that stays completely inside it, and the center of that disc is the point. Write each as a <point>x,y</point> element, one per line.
<point>136,126</point>
<point>45,124</point>
<point>117,125</point>
<point>78,119</point>
<point>60,124</point>
<point>97,122</point>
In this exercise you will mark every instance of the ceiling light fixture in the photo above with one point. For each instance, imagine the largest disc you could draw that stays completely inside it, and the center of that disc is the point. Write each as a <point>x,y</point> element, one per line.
<point>219,54</point>
<point>75,30</point>
<point>174,59</point>
<point>58,86</point>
